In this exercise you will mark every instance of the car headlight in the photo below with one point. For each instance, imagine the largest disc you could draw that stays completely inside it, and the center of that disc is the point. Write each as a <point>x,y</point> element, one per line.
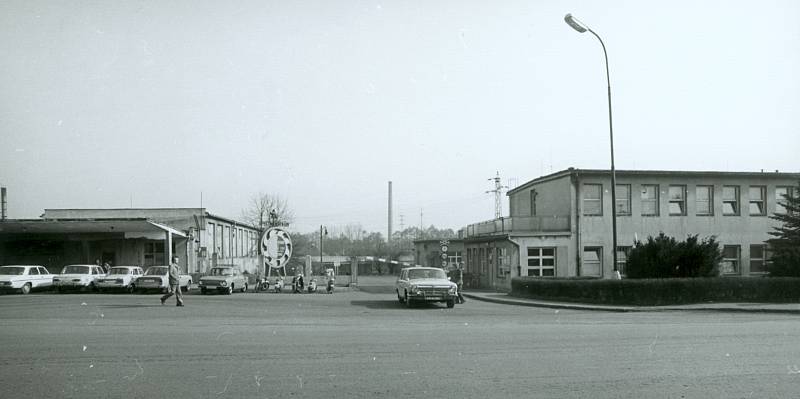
<point>223,284</point>
<point>453,290</point>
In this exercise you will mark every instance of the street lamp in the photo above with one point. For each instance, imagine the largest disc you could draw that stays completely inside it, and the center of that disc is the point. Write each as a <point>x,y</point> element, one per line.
<point>581,28</point>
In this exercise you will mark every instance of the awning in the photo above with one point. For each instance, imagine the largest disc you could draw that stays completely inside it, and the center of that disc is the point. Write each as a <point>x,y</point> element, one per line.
<point>132,228</point>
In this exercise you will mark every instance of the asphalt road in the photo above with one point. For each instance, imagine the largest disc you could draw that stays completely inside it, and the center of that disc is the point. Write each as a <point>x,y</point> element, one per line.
<point>364,344</point>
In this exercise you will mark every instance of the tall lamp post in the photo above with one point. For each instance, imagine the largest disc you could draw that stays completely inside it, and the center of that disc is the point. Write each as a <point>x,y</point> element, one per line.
<point>581,28</point>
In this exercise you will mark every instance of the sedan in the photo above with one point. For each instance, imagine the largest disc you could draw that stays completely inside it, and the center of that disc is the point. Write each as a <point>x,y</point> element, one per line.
<point>120,278</point>
<point>157,278</point>
<point>24,278</point>
<point>78,276</point>
<point>224,280</point>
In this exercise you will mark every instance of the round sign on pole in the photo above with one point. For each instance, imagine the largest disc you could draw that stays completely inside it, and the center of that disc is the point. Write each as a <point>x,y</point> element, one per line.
<point>444,263</point>
<point>444,256</point>
<point>276,246</point>
<point>444,248</point>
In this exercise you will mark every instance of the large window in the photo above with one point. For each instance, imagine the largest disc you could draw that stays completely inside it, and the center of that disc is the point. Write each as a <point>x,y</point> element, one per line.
<point>758,259</point>
<point>454,260</point>
<point>649,200</point>
<point>677,200</point>
<point>592,199</point>
<point>541,262</point>
<point>780,200</point>
<point>730,200</point>
<point>592,263</point>
<point>730,259</point>
<point>623,195</point>
<point>758,201</point>
<point>503,263</point>
<point>704,200</point>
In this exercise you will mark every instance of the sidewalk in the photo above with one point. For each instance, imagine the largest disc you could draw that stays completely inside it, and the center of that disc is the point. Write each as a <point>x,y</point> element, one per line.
<point>503,298</point>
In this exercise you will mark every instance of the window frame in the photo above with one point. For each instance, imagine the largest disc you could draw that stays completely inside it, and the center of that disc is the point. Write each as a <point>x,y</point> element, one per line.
<point>780,202</point>
<point>584,262</point>
<point>541,257</point>
<point>599,200</point>
<point>762,260</point>
<point>709,201</point>
<point>655,201</point>
<point>681,201</point>
<point>735,203</point>
<point>762,201</point>
<point>737,261</point>
<point>626,200</point>
<point>622,257</point>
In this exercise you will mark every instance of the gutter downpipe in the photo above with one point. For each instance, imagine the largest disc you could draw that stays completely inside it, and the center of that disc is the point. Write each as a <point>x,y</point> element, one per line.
<point>576,184</point>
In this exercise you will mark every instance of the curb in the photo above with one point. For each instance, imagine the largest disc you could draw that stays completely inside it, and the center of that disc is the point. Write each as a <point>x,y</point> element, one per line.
<point>621,309</point>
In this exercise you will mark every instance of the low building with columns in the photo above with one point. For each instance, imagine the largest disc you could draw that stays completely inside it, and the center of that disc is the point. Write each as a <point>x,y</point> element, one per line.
<point>130,236</point>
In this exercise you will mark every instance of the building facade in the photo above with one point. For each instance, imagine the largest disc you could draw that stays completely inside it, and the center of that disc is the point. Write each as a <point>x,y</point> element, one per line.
<point>560,224</point>
<point>130,236</point>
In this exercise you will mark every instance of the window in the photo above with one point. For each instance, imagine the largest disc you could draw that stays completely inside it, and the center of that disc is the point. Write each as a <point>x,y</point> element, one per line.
<point>503,264</point>
<point>622,258</point>
<point>730,200</point>
<point>649,200</point>
<point>541,262</point>
<point>758,195</point>
<point>677,200</point>
<point>592,261</point>
<point>533,202</point>
<point>704,200</point>
<point>623,196</point>
<point>758,259</point>
<point>154,253</point>
<point>780,200</point>
<point>454,260</point>
<point>730,259</point>
<point>593,199</point>
<point>33,270</point>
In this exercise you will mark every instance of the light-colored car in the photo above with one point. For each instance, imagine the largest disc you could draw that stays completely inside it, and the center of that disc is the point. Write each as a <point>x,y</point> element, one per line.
<point>24,278</point>
<point>425,284</point>
<point>78,276</point>
<point>157,278</point>
<point>223,279</point>
<point>120,278</point>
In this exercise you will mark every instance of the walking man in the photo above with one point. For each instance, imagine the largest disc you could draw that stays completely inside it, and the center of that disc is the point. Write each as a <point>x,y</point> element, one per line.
<point>174,283</point>
<point>460,282</point>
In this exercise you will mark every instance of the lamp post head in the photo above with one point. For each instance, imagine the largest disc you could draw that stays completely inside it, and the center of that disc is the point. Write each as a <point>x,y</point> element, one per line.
<point>574,23</point>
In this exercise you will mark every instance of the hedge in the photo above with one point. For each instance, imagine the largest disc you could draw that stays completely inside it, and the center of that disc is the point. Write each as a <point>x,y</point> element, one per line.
<point>657,292</point>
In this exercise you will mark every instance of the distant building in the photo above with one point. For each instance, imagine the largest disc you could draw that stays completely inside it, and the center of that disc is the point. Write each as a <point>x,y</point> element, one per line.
<point>142,237</point>
<point>560,224</point>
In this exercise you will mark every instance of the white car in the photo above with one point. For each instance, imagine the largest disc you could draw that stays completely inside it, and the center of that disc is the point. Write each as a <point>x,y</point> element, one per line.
<point>24,278</point>
<point>157,278</point>
<point>120,277</point>
<point>425,284</point>
<point>78,276</point>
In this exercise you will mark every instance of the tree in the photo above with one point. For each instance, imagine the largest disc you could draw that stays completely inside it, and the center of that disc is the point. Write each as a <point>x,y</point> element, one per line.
<point>785,260</point>
<point>663,257</point>
<point>265,210</point>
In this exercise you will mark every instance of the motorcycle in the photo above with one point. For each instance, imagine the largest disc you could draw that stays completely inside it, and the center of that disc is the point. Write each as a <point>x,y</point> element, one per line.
<point>262,284</point>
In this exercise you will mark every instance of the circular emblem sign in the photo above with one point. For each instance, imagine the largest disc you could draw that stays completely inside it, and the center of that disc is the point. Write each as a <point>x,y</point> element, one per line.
<point>444,248</point>
<point>276,246</point>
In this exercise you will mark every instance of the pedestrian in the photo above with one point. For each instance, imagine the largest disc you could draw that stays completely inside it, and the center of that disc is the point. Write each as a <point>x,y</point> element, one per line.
<point>174,283</point>
<point>459,277</point>
<point>107,267</point>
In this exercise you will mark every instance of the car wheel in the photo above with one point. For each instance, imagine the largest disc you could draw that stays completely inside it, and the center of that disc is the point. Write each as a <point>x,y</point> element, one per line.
<point>451,303</point>
<point>230,290</point>
<point>407,301</point>
<point>202,290</point>
<point>26,289</point>
<point>399,298</point>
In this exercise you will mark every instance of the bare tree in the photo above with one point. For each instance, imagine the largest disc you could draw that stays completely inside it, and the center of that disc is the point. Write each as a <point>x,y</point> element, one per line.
<point>266,210</point>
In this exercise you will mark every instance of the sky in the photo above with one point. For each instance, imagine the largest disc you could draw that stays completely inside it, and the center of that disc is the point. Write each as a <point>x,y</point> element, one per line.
<point>190,103</point>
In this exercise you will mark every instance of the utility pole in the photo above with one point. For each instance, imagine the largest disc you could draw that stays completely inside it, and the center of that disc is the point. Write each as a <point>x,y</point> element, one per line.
<point>389,235</point>
<point>322,231</point>
<point>498,189</point>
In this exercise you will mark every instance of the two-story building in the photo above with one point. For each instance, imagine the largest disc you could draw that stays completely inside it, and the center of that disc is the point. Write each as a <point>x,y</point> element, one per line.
<point>560,224</point>
<point>130,236</point>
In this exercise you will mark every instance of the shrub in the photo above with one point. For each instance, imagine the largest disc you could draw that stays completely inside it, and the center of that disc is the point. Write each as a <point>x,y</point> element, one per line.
<point>785,245</point>
<point>665,257</point>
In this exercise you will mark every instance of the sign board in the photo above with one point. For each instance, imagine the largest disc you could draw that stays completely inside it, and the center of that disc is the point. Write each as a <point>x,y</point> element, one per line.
<point>276,246</point>
<point>444,256</point>
<point>444,248</point>
<point>444,263</point>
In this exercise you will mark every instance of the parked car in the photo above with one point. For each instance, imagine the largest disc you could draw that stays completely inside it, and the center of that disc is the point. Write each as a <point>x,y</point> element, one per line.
<point>78,276</point>
<point>223,279</point>
<point>425,284</point>
<point>24,278</point>
<point>120,278</point>
<point>157,278</point>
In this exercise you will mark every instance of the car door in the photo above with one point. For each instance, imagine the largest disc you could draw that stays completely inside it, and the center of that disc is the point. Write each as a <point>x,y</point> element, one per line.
<point>45,278</point>
<point>402,281</point>
<point>32,276</point>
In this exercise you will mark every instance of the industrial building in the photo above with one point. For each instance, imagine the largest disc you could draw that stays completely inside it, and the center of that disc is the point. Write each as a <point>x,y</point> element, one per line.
<point>559,225</point>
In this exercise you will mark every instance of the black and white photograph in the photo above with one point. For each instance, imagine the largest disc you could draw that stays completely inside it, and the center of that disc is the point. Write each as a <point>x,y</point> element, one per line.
<point>399,198</point>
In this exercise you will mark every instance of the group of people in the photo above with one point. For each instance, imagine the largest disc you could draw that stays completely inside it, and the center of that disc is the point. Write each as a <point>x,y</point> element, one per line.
<point>106,265</point>
<point>298,284</point>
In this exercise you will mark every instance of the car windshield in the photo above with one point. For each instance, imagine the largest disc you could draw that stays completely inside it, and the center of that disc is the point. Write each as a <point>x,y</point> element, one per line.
<point>221,271</point>
<point>156,271</point>
<point>119,270</point>
<point>75,269</point>
<point>12,271</point>
<point>426,273</point>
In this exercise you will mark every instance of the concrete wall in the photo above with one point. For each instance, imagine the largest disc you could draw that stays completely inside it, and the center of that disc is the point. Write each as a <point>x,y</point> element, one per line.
<point>550,199</point>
